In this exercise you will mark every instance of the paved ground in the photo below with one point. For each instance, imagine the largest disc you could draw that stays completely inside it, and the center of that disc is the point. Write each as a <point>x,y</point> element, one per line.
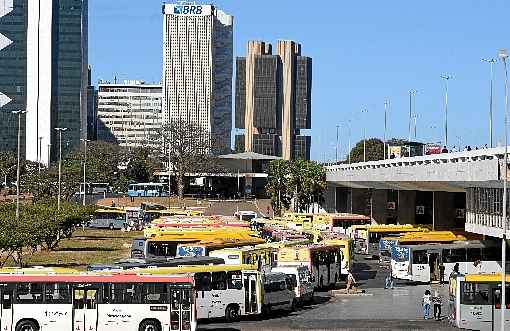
<point>379,309</point>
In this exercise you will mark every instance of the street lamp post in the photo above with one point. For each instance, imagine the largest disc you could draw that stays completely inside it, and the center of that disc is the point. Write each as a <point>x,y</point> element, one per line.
<point>412,92</point>
<point>59,130</point>
<point>446,78</point>
<point>349,153</point>
<point>40,154</point>
<point>503,55</point>
<point>336,147</point>
<point>386,104</point>
<point>85,141</point>
<point>19,113</point>
<point>364,138</point>
<point>415,117</point>
<point>491,61</point>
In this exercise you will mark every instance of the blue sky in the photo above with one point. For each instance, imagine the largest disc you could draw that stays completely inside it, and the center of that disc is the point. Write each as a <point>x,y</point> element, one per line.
<point>364,52</point>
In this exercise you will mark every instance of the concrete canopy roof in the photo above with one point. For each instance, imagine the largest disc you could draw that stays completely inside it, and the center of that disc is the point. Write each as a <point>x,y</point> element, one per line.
<point>249,156</point>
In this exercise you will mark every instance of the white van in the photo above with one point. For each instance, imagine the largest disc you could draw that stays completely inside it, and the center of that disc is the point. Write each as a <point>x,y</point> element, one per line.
<point>301,277</point>
<point>279,292</point>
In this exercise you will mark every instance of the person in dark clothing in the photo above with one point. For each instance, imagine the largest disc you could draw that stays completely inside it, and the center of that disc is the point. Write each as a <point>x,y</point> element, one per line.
<point>437,302</point>
<point>444,150</point>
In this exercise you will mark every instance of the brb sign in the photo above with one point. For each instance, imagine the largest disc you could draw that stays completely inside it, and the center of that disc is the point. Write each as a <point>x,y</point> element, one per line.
<point>191,10</point>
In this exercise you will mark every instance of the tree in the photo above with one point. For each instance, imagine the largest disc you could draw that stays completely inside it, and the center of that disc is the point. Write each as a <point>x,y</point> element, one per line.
<point>374,150</point>
<point>190,149</point>
<point>7,165</point>
<point>300,180</point>
<point>309,183</point>
<point>279,185</point>
<point>38,226</point>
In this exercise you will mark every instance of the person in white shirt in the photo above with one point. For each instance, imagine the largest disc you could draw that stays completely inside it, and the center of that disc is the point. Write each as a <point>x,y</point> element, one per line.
<point>426,301</point>
<point>478,266</point>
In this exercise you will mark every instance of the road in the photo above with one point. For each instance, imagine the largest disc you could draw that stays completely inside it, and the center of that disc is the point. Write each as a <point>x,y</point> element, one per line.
<point>377,309</point>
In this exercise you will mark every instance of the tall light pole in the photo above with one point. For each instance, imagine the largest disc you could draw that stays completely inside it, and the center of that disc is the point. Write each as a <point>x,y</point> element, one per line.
<point>491,61</point>
<point>415,117</point>
<point>59,130</point>
<point>364,137</point>
<point>19,113</point>
<point>503,55</point>
<point>85,141</point>
<point>386,104</point>
<point>446,78</point>
<point>412,92</point>
<point>349,154</point>
<point>40,155</point>
<point>336,150</point>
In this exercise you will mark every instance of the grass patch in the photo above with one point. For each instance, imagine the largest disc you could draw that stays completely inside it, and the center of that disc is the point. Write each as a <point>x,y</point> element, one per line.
<point>89,246</point>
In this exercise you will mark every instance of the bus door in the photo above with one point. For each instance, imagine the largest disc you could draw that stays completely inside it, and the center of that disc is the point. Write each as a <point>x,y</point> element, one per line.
<point>6,308</point>
<point>420,266</point>
<point>434,266</point>
<point>496,309</point>
<point>85,309</point>
<point>180,309</point>
<point>250,293</point>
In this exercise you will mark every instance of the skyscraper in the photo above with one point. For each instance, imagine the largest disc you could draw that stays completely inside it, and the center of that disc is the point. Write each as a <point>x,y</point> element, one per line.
<point>43,69</point>
<point>273,100</point>
<point>13,70</point>
<point>197,68</point>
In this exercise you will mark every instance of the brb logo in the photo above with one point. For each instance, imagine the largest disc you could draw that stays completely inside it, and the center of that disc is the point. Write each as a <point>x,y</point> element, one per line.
<point>187,10</point>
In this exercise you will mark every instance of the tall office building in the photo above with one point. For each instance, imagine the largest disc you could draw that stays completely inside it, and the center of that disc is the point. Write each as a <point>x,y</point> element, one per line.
<point>91,108</point>
<point>43,69</point>
<point>197,68</point>
<point>13,71</point>
<point>129,113</point>
<point>273,100</point>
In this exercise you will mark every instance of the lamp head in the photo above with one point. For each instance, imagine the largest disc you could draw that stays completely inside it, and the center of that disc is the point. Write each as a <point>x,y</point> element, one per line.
<point>503,54</point>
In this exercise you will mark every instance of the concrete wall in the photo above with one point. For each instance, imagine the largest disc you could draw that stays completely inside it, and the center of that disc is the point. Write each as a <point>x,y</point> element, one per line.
<point>406,209</point>
<point>444,209</point>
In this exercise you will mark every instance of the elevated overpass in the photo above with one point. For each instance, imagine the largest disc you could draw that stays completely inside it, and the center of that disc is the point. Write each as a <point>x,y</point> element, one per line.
<point>450,189</point>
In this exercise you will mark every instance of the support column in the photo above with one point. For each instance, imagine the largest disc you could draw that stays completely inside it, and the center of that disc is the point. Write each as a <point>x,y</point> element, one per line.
<point>406,207</point>
<point>359,201</point>
<point>444,210</point>
<point>380,206</point>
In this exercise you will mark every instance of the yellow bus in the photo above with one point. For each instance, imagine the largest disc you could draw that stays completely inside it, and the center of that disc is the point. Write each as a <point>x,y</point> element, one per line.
<point>228,291</point>
<point>475,301</point>
<point>368,241</point>
<point>323,262</point>
<point>203,248</point>
<point>262,257</point>
<point>347,249</point>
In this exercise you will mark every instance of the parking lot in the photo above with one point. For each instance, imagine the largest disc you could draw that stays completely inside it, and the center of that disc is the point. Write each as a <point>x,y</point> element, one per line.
<point>376,309</point>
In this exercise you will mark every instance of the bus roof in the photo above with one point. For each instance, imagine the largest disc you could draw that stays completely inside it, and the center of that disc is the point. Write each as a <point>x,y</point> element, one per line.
<point>388,228</point>
<point>93,278</point>
<point>484,278</point>
<point>191,269</point>
<point>432,236</point>
<point>349,217</point>
<point>110,211</point>
<point>454,245</point>
<point>37,270</point>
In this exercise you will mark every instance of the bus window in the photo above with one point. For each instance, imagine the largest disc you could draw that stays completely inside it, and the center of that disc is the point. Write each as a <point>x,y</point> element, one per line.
<point>458,255</point>
<point>176,299</point>
<point>219,281</point>
<point>474,294</point>
<point>156,293</point>
<point>203,281</point>
<point>6,297</point>
<point>420,257</point>
<point>124,293</point>
<point>29,293</point>
<point>491,254</point>
<point>234,280</point>
<point>57,293</point>
<point>473,254</point>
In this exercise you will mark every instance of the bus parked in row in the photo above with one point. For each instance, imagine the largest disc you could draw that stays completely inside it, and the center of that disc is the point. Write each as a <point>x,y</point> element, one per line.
<point>347,248</point>
<point>323,262</point>
<point>98,302</point>
<point>262,257</point>
<point>475,301</point>
<point>367,242</point>
<point>302,279</point>
<point>228,291</point>
<point>435,262</point>
<point>112,219</point>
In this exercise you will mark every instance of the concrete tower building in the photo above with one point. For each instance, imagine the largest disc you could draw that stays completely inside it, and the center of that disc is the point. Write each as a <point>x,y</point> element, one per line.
<point>43,69</point>
<point>197,68</point>
<point>273,100</point>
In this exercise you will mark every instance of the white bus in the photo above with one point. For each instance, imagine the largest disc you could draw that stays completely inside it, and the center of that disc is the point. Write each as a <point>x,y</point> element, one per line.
<point>95,302</point>
<point>435,262</point>
<point>228,291</point>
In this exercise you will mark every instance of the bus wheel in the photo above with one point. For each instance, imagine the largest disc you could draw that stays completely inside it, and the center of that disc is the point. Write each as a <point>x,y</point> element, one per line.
<point>111,226</point>
<point>150,325</point>
<point>27,325</point>
<point>232,313</point>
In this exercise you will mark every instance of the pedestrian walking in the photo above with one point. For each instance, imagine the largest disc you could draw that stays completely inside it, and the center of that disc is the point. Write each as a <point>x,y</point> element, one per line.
<point>351,281</point>
<point>437,301</point>
<point>426,301</point>
<point>388,280</point>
